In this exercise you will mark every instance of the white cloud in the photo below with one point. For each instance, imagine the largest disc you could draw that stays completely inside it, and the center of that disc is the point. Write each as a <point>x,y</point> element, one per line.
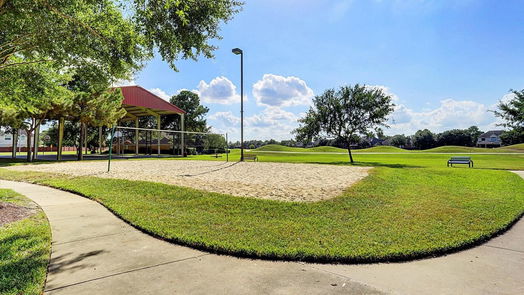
<point>272,116</point>
<point>271,123</point>
<point>220,90</point>
<point>225,117</point>
<point>450,114</point>
<point>160,93</point>
<point>279,91</point>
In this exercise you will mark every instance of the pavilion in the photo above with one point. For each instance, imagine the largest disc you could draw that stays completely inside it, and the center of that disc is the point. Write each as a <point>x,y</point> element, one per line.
<point>138,102</point>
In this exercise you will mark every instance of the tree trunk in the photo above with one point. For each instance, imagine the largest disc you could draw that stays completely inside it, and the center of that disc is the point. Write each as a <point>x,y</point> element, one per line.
<point>28,146</point>
<point>350,155</point>
<point>15,141</point>
<point>81,143</point>
<point>36,139</point>
<point>349,151</point>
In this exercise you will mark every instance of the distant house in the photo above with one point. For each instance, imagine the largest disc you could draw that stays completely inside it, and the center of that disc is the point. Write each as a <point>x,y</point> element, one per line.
<point>490,139</point>
<point>6,139</point>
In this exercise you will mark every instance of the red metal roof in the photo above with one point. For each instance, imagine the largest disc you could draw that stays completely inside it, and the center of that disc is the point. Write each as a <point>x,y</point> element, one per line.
<point>136,96</point>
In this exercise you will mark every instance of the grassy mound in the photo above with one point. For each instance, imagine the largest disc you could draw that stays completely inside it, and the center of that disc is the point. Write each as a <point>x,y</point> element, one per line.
<point>456,149</point>
<point>394,214</point>
<point>382,149</point>
<point>25,247</point>
<point>326,149</point>
<point>281,148</point>
<point>516,148</point>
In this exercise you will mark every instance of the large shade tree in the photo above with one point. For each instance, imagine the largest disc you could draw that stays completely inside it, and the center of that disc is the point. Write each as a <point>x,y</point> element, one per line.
<point>424,139</point>
<point>512,112</point>
<point>345,114</point>
<point>71,31</point>
<point>112,37</point>
<point>399,140</point>
<point>30,94</point>
<point>94,104</point>
<point>195,117</point>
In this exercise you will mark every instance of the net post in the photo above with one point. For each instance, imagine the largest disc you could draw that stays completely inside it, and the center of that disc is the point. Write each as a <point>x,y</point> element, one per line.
<point>227,149</point>
<point>158,135</point>
<point>182,139</point>
<point>136,136</point>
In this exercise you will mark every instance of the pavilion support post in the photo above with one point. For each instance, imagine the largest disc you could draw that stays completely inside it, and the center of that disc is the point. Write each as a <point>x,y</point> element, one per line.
<point>182,139</point>
<point>100,140</point>
<point>136,136</point>
<point>158,137</point>
<point>60,139</point>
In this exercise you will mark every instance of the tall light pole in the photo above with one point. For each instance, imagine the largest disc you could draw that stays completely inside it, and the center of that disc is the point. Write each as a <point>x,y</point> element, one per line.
<point>239,51</point>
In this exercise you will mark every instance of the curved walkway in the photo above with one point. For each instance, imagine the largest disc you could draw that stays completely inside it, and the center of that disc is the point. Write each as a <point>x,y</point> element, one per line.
<point>94,252</point>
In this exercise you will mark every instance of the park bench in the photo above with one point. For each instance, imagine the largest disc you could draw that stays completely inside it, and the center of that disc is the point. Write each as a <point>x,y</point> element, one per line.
<point>460,160</point>
<point>250,157</point>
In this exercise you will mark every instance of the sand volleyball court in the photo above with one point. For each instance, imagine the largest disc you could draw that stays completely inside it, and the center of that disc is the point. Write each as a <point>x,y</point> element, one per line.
<point>277,181</point>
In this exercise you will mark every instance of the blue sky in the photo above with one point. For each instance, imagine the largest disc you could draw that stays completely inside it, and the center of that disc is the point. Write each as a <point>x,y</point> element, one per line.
<point>446,63</point>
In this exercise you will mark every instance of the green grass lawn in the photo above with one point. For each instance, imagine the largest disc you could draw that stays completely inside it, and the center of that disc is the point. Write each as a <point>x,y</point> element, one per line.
<point>410,206</point>
<point>394,214</point>
<point>25,247</point>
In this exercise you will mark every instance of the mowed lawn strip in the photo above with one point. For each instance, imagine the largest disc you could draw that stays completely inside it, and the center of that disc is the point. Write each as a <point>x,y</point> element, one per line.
<point>393,214</point>
<point>25,246</point>
<point>408,159</point>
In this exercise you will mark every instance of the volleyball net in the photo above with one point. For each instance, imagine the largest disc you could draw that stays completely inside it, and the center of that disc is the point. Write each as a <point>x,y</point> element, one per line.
<point>129,141</point>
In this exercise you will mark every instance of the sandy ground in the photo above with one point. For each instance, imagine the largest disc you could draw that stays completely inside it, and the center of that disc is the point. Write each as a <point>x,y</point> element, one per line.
<point>277,181</point>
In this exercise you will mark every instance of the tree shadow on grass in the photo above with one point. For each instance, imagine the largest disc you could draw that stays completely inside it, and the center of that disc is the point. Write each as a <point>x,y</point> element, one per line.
<point>22,267</point>
<point>368,164</point>
<point>6,162</point>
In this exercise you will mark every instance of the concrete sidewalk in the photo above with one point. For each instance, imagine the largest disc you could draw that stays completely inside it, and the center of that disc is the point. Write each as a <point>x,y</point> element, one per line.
<point>94,252</point>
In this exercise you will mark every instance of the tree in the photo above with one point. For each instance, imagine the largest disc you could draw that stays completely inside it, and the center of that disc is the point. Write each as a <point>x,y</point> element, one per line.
<point>344,114</point>
<point>94,104</point>
<point>290,143</point>
<point>454,137</point>
<point>514,136</point>
<point>214,143</point>
<point>423,139</point>
<point>73,31</point>
<point>70,136</point>
<point>512,112</point>
<point>194,119</point>
<point>474,132</point>
<point>399,140</point>
<point>31,93</point>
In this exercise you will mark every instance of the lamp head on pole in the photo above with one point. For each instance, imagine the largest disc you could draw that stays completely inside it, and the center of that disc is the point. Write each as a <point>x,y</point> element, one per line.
<point>237,51</point>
